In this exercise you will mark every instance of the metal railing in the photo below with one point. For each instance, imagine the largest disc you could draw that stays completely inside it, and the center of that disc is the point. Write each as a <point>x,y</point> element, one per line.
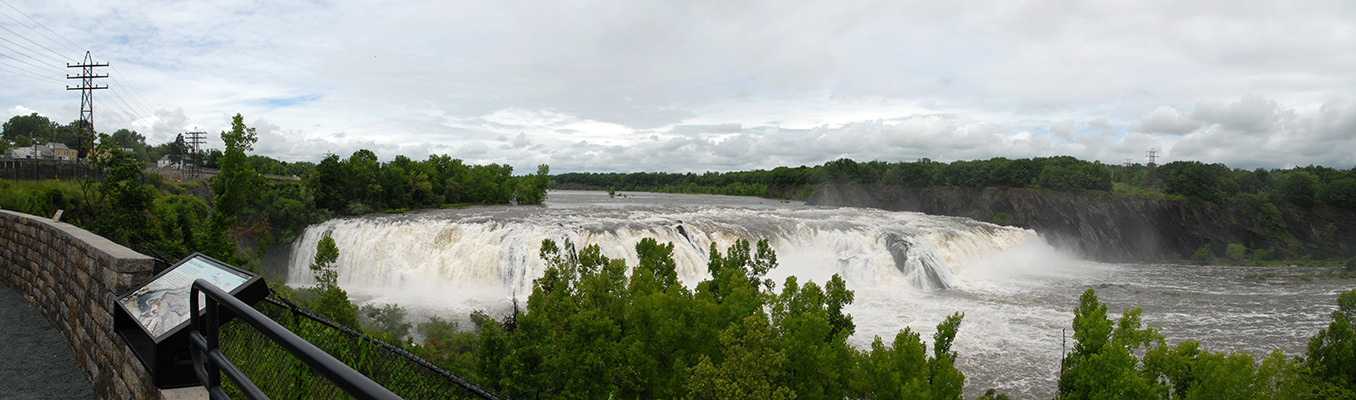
<point>209,362</point>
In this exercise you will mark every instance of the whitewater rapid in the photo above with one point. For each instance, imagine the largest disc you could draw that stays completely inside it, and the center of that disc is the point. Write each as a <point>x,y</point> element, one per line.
<point>497,248</point>
<point>907,269</point>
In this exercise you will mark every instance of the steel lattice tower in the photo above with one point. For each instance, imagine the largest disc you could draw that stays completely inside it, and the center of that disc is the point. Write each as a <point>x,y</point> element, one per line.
<point>86,88</point>
<point>195,141</point>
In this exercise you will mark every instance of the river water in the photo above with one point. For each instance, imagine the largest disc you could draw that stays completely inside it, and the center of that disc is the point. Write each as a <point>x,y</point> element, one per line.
<point>907,269</point>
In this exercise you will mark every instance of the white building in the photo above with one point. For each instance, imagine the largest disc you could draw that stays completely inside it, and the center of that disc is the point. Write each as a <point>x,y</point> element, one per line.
<point>165,162</point>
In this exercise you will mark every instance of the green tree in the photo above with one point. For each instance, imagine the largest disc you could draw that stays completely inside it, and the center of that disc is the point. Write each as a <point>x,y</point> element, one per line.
<point>1332,352</point>
<point>1236,252</point>
<point>125,202</point>
<point>326,254</point>
<point>1203,255</point>
<point>1341,193</point>
<point>25,130</point>
<point>236,182</point>
<point>945,379</point>
<point>1103,364</point>
<point>448,347</point>
<point>1300,188</point>
<point>750,368</point>
<point>899,371</point>
<point>331,301</point>
<point>386,323</point>
<point>904,370</point>
<point>180,221</point>
<point>1194,180</point>
<point>178,151</point>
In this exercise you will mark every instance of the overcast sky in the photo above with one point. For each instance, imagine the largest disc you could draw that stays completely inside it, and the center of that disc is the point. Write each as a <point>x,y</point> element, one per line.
<point>708,85</point>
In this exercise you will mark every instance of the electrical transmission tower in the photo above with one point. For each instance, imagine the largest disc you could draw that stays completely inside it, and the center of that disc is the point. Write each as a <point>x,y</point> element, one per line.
<point>195,142</point>
<point>86,88</point>
<point>1153,156</point>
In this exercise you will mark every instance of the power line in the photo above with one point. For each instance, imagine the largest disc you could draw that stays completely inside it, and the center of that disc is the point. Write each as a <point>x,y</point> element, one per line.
<point>131,109</point>
<point>26,55</point>
<point>128,100</point>
<point>117,75</point>
<point>27,66</point>
<point>77,48</point>
<point>133,113</point>
<point>33,42</point>
<point>29,75</point>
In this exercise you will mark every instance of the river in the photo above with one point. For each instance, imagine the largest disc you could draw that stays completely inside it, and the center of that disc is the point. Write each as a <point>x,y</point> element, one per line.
<point>907,269</point>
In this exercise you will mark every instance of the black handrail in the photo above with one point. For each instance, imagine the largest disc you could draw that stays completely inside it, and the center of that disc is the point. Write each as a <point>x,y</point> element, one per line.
<point>209,362</point>
<point>464,384</point>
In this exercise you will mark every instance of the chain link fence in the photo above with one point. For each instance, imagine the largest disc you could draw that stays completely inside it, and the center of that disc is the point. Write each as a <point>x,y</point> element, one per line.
<point>282,376</point>
<point>36,170</point>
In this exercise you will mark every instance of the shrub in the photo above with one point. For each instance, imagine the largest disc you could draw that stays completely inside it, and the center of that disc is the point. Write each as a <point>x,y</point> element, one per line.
<point>1264,255</point>
<point>1236,252</point>
<point>1002,218</point>
<point>1203,255</point>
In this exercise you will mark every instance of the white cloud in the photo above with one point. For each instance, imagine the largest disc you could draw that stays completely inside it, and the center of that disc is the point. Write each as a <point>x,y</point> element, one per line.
<point>1063,129</point>
<point>1166,120</point>
<point>717,85</point>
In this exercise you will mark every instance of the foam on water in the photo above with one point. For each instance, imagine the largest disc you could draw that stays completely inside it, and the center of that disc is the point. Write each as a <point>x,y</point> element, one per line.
<point>907,269</point>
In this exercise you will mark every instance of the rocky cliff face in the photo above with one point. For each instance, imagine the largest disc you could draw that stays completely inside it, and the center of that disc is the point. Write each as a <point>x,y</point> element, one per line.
<point>1110,228</point>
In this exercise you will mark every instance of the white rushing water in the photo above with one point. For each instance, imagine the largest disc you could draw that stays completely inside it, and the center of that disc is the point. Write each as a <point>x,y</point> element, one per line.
<point>908,270</point>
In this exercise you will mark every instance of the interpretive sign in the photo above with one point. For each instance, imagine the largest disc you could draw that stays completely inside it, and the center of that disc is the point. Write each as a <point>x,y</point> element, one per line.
<point>162,304</point>
<point>153,317</point>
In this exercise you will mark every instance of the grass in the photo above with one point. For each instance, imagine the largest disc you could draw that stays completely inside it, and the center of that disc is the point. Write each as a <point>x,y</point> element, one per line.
<point>1124,189</point>
<point>41,198</point>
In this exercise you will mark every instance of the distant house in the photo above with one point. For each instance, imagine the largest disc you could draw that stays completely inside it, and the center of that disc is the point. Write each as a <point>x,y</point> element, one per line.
<point>165,162</point>
<point>39,152</point>
<point>23,152</point>
<point>60,151</point>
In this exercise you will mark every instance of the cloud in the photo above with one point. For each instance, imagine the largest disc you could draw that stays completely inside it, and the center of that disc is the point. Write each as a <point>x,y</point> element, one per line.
<point>1250,115</point>
<point>1167,120</point>
<point>521,141</point>
<point>1063,129</point>
<point>18,111</point>
<point>1255,131</point>
<point>715,85</point>
<point>1104,125</point>
<point>692,130</point>
<point>473,149</point>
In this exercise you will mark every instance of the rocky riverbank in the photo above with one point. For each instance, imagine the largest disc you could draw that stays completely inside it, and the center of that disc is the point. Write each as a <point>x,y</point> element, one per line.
<point>1114,228</point>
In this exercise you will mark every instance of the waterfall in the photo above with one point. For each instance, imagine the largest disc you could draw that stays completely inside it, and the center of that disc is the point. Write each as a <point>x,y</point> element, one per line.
<point>494,251</point>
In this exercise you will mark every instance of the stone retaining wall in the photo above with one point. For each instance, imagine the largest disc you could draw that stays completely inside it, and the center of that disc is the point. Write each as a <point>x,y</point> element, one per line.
<point>73,277</point>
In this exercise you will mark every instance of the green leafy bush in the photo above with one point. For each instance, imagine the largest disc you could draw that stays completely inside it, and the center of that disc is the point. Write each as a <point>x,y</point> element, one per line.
<point>1236,252</point>
<point>1203,255</point>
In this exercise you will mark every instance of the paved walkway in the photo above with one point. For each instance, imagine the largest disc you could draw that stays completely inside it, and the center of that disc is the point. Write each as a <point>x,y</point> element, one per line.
<point>35,362</point>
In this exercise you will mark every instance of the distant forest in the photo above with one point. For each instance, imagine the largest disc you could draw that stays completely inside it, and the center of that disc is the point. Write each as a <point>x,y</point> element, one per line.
<point>1185,180</point>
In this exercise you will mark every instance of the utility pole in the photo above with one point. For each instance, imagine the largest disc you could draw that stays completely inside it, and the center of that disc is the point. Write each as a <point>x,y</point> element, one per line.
<point>195,141</point>
<point>1126,170</point>
<point>86,88</point>
<point>1153,156</point>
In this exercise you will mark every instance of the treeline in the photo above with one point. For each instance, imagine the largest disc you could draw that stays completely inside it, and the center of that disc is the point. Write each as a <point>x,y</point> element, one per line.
<point>1217,183</point>
<point>748,183</point>
<point>359,184</point>
<point>1187,180</point>
<point>1053,173</point>
<point>593,330</point>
